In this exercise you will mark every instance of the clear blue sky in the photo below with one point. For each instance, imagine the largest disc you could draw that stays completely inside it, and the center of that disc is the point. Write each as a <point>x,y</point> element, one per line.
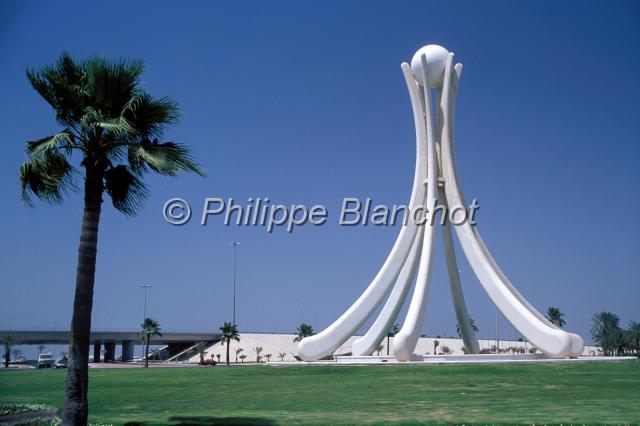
<point>304,102</point>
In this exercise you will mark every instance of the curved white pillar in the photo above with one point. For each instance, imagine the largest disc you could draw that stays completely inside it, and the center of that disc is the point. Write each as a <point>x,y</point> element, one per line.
<point>405,341</point>
<point>550,340</point>
<point>332,337</point>
<point>464,323</point>
<point>368,343</point>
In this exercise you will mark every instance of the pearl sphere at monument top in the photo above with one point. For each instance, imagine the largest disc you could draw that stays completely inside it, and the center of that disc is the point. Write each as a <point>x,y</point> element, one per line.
<point>436,62</point>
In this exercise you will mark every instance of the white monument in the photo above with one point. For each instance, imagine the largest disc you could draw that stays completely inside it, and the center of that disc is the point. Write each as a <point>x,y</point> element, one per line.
<point>435,178</point>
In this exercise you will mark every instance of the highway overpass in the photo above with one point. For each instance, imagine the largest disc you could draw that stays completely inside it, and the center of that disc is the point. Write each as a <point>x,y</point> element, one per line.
<point>176,341</point>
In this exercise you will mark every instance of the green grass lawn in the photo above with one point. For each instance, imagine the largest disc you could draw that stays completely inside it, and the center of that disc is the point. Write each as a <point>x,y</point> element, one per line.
<point>512,393</point>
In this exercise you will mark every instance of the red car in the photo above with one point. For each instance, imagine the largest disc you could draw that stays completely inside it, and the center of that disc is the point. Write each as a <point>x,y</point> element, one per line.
<point>208,362</point>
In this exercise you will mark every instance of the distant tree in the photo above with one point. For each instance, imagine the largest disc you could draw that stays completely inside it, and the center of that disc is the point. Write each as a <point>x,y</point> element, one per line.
<point>555,317</point>
<point>7,343</point>
<point>41,348</point>
<point>243,357</point>
<point>606,332</point>
<point>446,350</point>
<point>435,346</point>
<point>304,330</point>
<point>201,349</point>
<point>474,328</point>
<point>238,351</point>
<point>379,349</point>
<point>633,333</point>
<point>268,357</point>
<point>258,351</point>
<point>229,333</point>
<point>281,355</point>
<point>395,329</point>
<point>218,356</point>
<point>150,328</point>
<point>16,354</point>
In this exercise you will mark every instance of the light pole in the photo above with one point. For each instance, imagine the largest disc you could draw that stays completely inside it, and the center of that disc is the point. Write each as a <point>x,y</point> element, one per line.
<point>235,245</point>
<point>144,311</point>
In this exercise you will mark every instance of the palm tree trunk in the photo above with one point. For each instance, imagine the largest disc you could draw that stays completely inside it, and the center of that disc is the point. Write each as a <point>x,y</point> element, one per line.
<point>7,358</point>
<point>76,408</point>
<point>387,344</point>
<point>228,344</point>
<point>146,352</point>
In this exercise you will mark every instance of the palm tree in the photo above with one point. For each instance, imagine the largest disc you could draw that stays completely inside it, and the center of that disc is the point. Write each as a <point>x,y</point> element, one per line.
<point>238,351</point>
<point>114,124</point>
<point>605,330</point>
<point>282,355</point>
<point>395,329</point>
<point>304,330</point>
<point>229,333</point>
<point>258,351</point>
<point>379,349</point>
<point>243,357</point>
<point>16,353</point>
<point>268,357</point>
<point>201,349</point>
<point>633,336</point>
<point>555,317</point>
<point>7,342</point>
<point>435,346</point>
<point>474,327</point>
<point>446,350</point>
<point>150,328</point>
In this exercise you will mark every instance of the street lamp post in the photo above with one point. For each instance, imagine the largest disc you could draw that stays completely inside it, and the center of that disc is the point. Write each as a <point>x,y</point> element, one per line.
<point>235,245</point>
<point>144,310</point>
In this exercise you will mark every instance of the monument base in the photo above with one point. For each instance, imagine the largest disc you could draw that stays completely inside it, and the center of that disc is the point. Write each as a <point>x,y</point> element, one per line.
<point>471,359</point>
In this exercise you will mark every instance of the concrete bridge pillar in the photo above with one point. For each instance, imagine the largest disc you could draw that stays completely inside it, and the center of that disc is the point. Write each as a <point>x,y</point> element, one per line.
<point>97,347</point>
<point>127,350</point>
<point>109,351</point>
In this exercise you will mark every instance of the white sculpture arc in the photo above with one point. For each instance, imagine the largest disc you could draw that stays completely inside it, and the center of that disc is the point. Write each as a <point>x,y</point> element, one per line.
<point>435,163</point>
<point>331,338</point>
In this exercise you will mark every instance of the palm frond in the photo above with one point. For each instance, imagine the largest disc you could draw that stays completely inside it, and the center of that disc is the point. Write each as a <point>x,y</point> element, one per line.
<point>119,126</point>
<point>49,177</point>
<point>127,192</point>
<point>60,141</point>
<point>151,116</point>
<point>63,86</point>
<point>112,83</point>
<point>167,158</point>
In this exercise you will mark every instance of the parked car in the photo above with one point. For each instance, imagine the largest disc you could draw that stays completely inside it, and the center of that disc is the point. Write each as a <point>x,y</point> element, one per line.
<point>62,363</point>
<point>208,362</point>
<point>45,360</point>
